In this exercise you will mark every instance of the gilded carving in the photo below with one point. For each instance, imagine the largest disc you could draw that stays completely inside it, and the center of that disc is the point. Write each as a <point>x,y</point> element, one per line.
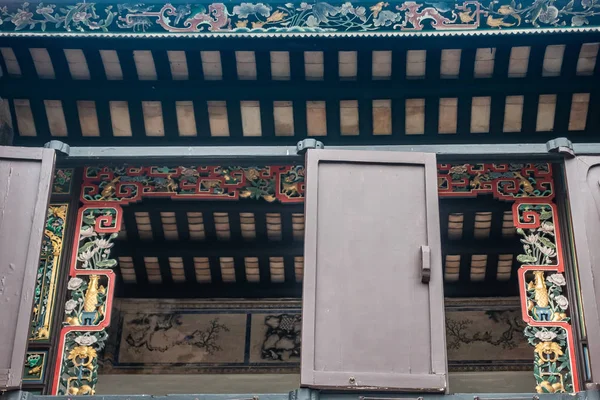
<point>50,256</point>
<point>90,293</point>
<point>131,184</point>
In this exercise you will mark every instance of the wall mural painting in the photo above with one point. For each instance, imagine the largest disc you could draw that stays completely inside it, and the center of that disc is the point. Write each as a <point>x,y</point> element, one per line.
<point>196,336</point>
<point>131,184</point>
<point>300,18</point>
<point>545,306</point>
<point>47,276</point>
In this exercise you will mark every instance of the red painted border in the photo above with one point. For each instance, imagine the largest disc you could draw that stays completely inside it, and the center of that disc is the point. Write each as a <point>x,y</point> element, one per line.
<point>74,271</point>
<point>123,189</point>
<point>532,223</point>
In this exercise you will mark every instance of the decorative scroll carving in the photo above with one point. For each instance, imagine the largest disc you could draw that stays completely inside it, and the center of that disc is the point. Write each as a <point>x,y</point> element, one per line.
<point>89,300</point>
<point>530,186</point>
<point>45,287</point>
<point>503,181</point>
<point>131,184</point>
<point>299,18</point>
<point>544,303</point>
<point>63,177</point>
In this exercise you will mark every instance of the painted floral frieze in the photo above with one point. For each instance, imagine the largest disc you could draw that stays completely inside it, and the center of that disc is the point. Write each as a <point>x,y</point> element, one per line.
<point>300,17</point>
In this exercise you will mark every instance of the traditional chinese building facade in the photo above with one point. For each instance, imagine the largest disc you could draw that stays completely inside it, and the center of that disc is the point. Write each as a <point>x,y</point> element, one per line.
<point>344,197</point>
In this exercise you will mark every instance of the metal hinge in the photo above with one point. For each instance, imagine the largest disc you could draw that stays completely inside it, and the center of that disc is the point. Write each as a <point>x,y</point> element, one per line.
<point>560,145</point>
<point>59,146</point>
<point>307,144</point>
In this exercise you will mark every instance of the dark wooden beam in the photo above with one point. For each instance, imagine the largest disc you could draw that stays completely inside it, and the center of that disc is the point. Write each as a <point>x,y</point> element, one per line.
<point>243,205</point>
<point>292,90</point>
<point>208,220</point>
<point>481,289</point>
<point>165,270</point>
<point>491,269</point>
<point>222,290</point>
<point>194,64</point>
<point>189,269</point>
<point>289,269</point>
<point>239,266</point>
<point>470,246</point>
<point>183,228</point>
<point>215,270</point>
<point>210,248</point>
<point>481,203</point>
<point>264,270</point>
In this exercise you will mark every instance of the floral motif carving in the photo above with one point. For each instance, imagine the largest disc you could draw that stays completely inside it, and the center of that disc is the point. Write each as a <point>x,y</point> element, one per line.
<point>503,181</point>
<point>63,178</point>
<point>299,17</point>
<point>45,287</point>
<point>131,184</point>
<point>89,301</point>
<point>79,366</point>
<point>545,306</point>
<point>539,243</point>
<point>552,364</point>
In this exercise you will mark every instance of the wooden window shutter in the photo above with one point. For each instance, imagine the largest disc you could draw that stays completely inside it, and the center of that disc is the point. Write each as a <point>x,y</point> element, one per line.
<point>583,189</point>
<point>25,179</point>
<point>373,304</point>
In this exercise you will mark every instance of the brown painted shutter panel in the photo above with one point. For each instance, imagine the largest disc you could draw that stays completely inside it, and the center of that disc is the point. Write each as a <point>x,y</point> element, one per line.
<point>373,303</point>
<point>583,188</point>
<point>25,179</point>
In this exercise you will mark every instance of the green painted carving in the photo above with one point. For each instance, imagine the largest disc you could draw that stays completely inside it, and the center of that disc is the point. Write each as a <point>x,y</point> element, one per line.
<point>62,180</point>
<point>45,288</point>
<point>79,369</point>
<point>552,365</point>
<point>257,18</point>
<point>35,367</point>
<point>87,300</point>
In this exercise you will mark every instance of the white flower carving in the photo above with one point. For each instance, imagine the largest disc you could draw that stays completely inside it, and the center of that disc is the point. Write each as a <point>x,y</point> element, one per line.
<point>548,251</point>
<point>86,232</point>
<point>74,283</point>
<point>547,227</point>
<point>104,244</point>
<point>562,302</point>
<point>86,340</point>
<point>557,279</point>
<point>70,305</point>
<point>545,336</point>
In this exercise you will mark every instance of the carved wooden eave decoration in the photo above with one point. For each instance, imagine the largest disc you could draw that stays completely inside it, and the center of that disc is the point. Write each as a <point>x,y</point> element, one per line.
<point>297,19</point>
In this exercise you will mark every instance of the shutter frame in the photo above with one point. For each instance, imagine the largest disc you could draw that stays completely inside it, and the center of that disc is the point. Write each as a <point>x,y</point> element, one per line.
<point>583,190</point>
<point>32,169</point>
<point>323,368</point>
